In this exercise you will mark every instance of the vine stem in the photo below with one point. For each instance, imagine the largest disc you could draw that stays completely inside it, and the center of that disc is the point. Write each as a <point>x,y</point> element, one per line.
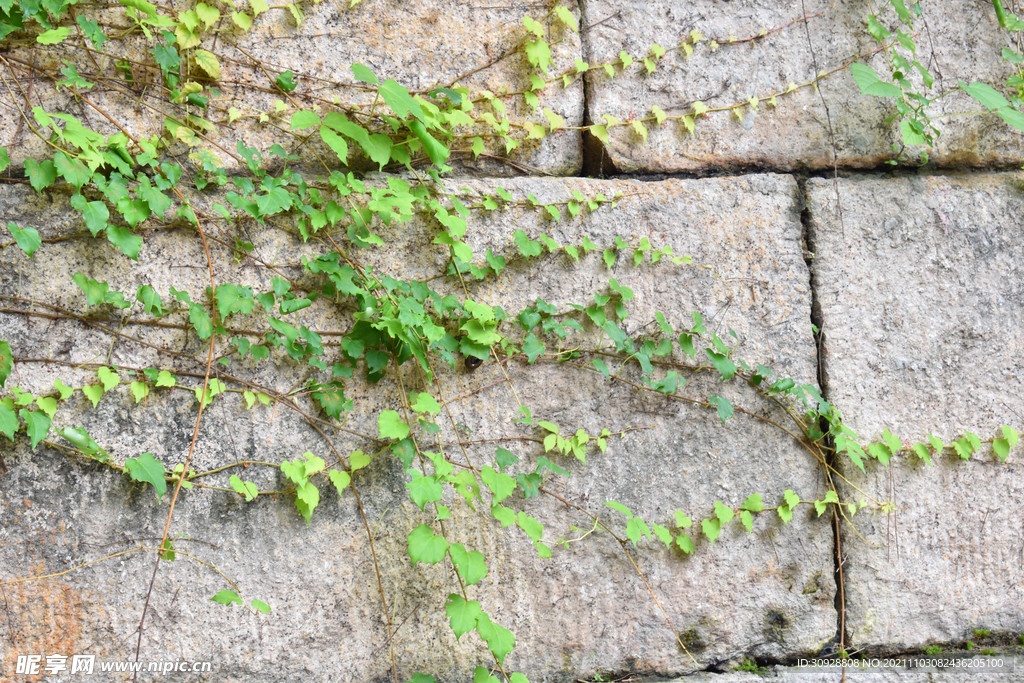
<point>195,430</point>
<point>622,544</point>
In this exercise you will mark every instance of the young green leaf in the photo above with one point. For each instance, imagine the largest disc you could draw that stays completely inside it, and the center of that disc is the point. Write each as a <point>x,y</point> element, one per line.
<point>423,490</point>
<point>392,426</point>
<point>247,489</point>
<point>462,615</point>
<point>6,362</point>
<point>340,479</point>
<point>712,528</point>
<point>425,547</point>
<point>146,468</point>
<point>27,239</point>
<point>499,639</point>
<point>469,563</point>
<point>81,440</point>
<point>227,597</point>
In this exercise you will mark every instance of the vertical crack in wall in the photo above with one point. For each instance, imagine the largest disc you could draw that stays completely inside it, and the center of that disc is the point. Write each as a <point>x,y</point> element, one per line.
<point>595,160</point>
<point>810,246</point>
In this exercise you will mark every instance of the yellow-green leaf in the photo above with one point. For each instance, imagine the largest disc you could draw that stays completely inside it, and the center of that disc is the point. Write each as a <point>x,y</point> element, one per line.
<point>208,64</point>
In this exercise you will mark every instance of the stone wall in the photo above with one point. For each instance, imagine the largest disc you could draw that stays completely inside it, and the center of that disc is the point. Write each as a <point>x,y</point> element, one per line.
<point>897,293</point>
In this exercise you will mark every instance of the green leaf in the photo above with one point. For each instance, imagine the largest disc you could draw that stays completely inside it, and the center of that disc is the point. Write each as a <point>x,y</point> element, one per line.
<point>398,98</point>
<point>6,362</point>
<point>208,63</point>
<point>722,364</point>
<point>499,639</point>
<point>423,490</point>
<point>753,503</point>
<point>869,83</point>
<point>437,152</point>
<point>122,238</point>
<point>1009,433</point>
<point>36,424</point>
<point>340,479</point>
<point>47,405</point>
<point>392,426</point>
<point>40,174</point>
<point>65,391</point>
<point>364,74</point>
<point>425,403</point>
<point>146,468</point>
<point>140,390</point>
<point>72,170</point>
<point>261,606</point>
<point>226,598</point>
<point>880,452</point>
<point>5,159</point>
<point>620,507</point>
<point>747,520</point>
<point>8,421</point>
<point>922,452</point>
<point>95,292</point>
<point>504,515</point>
<point>285,81</point>
<point>304,119</point>
<point>53,36</point>
<point>985,94</point>
<point>500,484</point>
<point>469,563</point>
<point>166,379</point>
<point>722,405</point>
<point>81,440</point>
<point>307,497</point>
<point>505,458</point>
<point>425,547</point>
<point>636,529</point>
<point>723,512</point>
<point>685,543</point>
<point>1012,117</point>
<point>94,213</point>
<point>911,136</point>
<point>462,615</point>
<point>244,488</point>
<point>566,17</point>
<point>27,239</point>
<point>93,392</point>
<point>792,500</point>
<point>109,378</point>
<point>530,525</point>
<point>358,460</point>
<point>712,528</point>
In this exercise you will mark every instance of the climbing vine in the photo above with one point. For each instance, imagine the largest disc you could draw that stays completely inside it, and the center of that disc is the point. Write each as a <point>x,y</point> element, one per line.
<point>321,185</point>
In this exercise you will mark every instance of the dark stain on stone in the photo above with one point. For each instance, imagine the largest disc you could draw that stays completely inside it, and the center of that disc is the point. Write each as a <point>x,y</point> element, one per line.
<point>775,624</point>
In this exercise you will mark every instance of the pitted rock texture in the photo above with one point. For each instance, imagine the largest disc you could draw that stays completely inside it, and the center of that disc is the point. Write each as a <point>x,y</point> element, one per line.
<point>957,40</point>
<point>585,610</point>
<point>921,306</point>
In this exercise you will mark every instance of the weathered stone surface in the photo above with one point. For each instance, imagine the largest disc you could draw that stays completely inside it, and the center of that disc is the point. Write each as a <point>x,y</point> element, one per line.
<point>960,40</point>
<point>922,306</point>
<point>422,44</point>
<point>585,610</point>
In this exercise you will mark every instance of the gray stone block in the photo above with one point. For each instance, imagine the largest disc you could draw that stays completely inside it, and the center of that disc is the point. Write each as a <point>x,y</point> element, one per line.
<point>585,610</point>
<point>422,44</point>
<point>957,40</point>
<point>921,305</point>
